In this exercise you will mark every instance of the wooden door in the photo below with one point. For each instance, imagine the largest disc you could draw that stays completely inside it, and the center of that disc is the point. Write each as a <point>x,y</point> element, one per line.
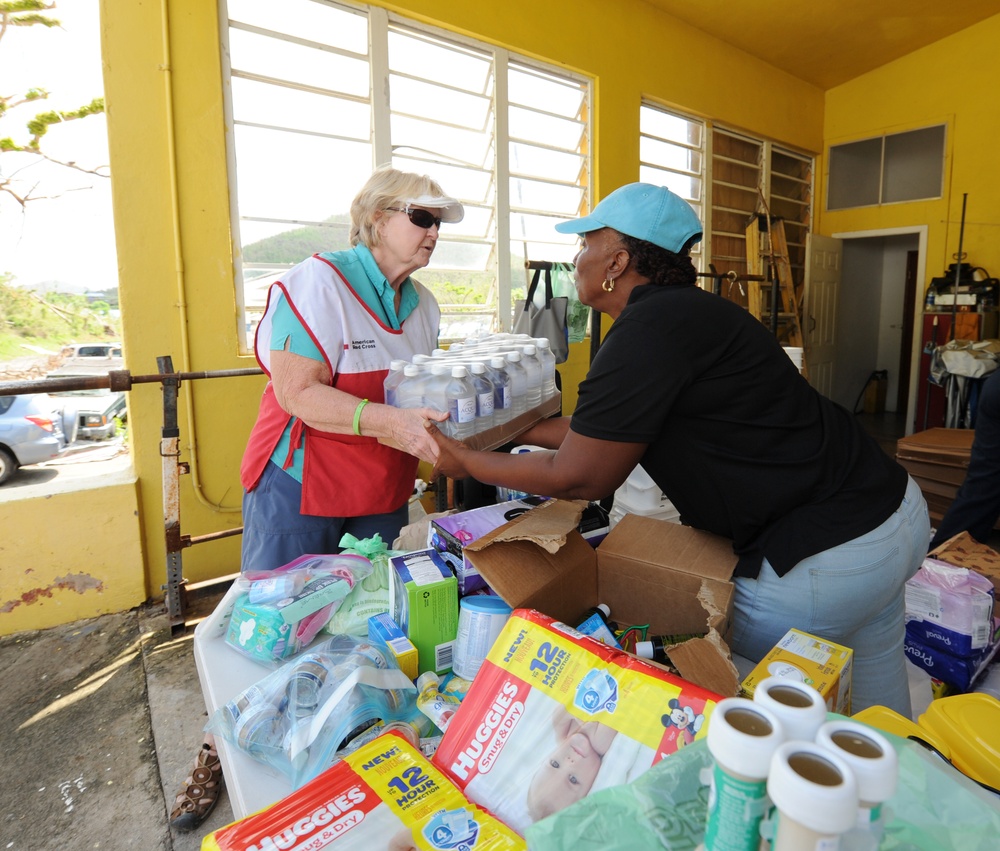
<point>824,259</point>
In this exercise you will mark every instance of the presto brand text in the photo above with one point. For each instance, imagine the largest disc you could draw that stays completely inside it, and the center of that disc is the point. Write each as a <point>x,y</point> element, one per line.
<point>316,820</point>
<point>503,706</point>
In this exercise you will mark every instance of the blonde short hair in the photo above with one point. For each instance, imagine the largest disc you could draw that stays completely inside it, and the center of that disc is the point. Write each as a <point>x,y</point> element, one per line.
<point>387,187</point>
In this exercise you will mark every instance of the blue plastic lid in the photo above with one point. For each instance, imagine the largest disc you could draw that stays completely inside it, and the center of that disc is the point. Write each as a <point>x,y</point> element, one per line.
<point>486,604</point>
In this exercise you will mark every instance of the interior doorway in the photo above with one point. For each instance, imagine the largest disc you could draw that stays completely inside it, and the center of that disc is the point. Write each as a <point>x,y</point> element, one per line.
<point>878,308</point>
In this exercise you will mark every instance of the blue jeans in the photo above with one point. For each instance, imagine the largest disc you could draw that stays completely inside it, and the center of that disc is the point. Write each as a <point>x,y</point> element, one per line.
<point>852,594</point>
<point>275,533</point>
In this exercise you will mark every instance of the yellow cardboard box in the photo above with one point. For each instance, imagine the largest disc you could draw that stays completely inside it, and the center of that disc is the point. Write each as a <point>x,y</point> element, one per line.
<point>820,663</point>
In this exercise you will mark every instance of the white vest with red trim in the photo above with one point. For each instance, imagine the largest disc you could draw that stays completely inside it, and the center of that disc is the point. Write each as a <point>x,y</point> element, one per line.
<point>343,475</point>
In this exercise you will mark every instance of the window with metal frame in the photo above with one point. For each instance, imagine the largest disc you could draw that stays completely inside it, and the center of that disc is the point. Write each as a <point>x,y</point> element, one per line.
<point>888,169</point>
<point>724,175</point>
<point>507,136</point>
<point>672,154</point>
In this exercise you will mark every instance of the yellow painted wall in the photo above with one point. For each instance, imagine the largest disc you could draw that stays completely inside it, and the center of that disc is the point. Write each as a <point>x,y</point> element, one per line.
<point>952,81</point>
<point>69,556</point>
<point>163,88</point>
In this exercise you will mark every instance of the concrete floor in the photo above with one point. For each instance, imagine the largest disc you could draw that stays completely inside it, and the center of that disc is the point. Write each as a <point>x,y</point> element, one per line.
<point>104,717</point>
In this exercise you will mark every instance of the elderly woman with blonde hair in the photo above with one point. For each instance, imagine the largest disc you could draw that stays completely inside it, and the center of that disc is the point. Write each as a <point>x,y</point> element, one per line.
<point>319,464</point>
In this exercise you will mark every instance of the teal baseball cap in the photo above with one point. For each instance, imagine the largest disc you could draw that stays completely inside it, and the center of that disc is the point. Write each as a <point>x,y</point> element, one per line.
<point>644,211</point>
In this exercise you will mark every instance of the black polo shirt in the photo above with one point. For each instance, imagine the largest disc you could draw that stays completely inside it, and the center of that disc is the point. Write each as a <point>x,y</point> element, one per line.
<point>737,439</point>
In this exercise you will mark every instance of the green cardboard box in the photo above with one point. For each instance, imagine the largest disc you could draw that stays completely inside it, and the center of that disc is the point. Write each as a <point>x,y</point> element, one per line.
<point>423,600</point>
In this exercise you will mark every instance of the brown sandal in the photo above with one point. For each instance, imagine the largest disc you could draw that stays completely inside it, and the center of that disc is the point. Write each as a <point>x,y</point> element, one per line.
<point>200,792</point>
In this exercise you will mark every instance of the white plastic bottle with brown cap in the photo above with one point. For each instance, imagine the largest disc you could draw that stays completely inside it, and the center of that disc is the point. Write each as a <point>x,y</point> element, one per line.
<point>816,796</point>
<point>799,707</point>
<point>876,767</point>
<point>742,738</point>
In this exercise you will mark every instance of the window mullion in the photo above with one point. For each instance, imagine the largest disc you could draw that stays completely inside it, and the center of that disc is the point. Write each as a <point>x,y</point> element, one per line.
<point>378,49</point>
<point>501,147</point>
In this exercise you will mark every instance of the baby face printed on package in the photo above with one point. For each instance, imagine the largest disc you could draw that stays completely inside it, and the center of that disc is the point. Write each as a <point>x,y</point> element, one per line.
<point>553,716</point>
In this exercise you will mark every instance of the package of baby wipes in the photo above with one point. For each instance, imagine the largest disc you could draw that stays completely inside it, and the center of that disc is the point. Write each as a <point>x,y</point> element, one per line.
<point>385,795</point>
<point>553,715</point>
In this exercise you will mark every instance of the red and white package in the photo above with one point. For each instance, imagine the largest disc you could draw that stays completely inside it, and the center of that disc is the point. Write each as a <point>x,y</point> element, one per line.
<point>385,795</point>
<point>554,715</point>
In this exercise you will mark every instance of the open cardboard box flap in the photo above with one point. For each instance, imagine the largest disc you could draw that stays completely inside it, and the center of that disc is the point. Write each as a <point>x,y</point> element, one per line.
<point>682,548</point>
<point>648,571</point>
<point>540,561</point>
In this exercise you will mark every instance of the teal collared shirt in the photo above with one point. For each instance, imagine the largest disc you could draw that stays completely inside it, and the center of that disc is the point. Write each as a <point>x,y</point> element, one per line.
<point>358,266</point>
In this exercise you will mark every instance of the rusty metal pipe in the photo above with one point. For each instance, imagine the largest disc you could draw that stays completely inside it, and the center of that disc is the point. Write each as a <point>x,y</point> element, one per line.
<point>115,379</point>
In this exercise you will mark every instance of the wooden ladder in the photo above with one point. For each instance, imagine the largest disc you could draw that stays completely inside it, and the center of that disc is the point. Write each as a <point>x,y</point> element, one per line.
<point>771,261</point>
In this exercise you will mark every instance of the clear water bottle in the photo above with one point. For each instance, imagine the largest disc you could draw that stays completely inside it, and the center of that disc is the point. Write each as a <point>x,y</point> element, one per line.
<point>435,384</point>
<point>461,395</point>
<point>548,360</point>
<point>392,381</point>
<point>485,400</point>
<point>533,369</point>
<point>410,393</point>
<point>496,371</point>
<point>518,384</point>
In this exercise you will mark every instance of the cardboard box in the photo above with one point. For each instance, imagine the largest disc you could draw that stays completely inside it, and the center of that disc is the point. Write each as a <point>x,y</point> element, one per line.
<point>501,434</point>
<point>423,600</point>
<point>820,663</point>
<point>449,534</point>
<point>387,635</point>
<point>672,577</point>
<point>949,446</point>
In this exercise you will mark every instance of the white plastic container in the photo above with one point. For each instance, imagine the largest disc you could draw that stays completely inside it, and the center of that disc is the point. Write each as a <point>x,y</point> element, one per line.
<point>742,738</point>
<point>392,381</point>
<point>502,400</point>
<point>816,795</point>
<point>410,393</point>
<point>434,388</point>
<point>533,370</point>
<point>800,708</point>
<point>876,768</point>
<point>460,394</point>
<point>796,354</point>
<point>481,617</point>
<point>485,398</point>
<point>548,359</point>
<point>518,384</point>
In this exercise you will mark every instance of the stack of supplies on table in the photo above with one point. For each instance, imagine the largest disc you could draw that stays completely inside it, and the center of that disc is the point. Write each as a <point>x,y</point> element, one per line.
<point>950,628</point>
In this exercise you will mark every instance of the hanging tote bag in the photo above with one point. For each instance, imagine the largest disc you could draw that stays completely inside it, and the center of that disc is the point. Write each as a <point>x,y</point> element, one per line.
<point>547,320</point>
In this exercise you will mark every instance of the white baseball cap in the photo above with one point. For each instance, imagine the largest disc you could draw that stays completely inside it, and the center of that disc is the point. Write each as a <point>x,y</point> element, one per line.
<point>451,210</point>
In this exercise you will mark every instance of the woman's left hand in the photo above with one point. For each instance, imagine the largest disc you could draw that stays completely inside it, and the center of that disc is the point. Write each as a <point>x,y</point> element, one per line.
<point>450,451</point>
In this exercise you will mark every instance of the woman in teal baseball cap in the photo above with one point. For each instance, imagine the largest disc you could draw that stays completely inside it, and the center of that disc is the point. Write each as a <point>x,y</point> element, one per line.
<point>826,526</point>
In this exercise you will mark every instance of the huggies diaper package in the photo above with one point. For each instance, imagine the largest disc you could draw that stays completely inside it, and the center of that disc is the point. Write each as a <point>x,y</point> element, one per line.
<point>385,795</point>
<point>553,715</point>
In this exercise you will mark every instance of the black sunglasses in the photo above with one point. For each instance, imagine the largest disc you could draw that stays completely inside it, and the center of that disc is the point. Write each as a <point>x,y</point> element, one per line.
<point>421,218</point>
